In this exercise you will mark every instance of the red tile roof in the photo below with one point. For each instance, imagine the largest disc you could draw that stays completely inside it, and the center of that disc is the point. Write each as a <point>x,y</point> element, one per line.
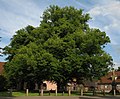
<point>1,67</point>
<point>108,78</point>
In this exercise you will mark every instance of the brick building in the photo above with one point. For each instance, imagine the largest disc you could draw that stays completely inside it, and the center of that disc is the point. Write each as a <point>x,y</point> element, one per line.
<point>1,67</point>
<point>105,83</point>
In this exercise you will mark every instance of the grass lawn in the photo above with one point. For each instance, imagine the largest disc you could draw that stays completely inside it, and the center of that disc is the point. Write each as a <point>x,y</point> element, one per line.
<point>22,93</point>
<point>37,94</point>
<point>5,94</point>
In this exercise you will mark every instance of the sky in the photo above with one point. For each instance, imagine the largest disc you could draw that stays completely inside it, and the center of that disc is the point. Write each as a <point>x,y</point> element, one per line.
<point>105,14</point>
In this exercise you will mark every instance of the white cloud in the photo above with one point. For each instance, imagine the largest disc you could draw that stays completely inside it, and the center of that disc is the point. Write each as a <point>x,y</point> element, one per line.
<point>109,11</point>
<point>5,37</point>
<point>19,14</point>
<point>2,44</point>
<point>106,16</point>
<point>16,14</point>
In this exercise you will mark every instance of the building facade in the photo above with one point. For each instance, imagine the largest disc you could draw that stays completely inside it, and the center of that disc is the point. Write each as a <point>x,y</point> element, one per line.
<point>106,82</point>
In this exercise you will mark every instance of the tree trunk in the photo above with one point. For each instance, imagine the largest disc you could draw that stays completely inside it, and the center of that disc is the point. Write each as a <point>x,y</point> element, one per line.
<point>19,86</point>
<point>114,90</point>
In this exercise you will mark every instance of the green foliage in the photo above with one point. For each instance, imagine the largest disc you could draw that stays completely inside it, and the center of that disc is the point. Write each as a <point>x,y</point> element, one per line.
<point>118,69</point>
<point>63,47</point>
<point>3,83</point>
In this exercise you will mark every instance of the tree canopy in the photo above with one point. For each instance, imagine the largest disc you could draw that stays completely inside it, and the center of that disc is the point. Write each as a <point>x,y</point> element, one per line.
<point>61,48</point>
<point>118,69</point>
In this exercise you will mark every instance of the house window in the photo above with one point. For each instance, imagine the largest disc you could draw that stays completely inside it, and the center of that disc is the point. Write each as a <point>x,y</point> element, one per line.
<point>118,87</point>
<point>102,86</point>
<point>44,86</point>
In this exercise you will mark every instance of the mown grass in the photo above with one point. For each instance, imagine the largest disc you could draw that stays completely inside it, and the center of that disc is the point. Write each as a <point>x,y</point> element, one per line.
<point>22,93</point>
<point>38,94</point>
<point>5,94</point>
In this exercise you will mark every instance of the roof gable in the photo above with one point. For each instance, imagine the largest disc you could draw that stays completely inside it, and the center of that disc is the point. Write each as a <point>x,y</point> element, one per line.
<point>107,79</point>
